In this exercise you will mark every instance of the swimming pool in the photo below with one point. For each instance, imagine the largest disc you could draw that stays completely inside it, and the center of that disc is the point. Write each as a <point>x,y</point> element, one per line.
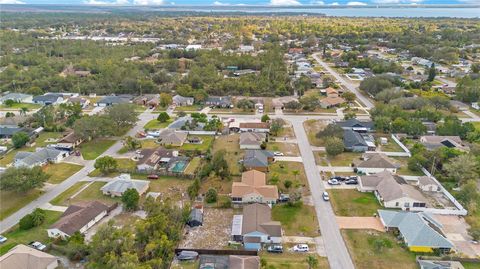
<point>179,166</point>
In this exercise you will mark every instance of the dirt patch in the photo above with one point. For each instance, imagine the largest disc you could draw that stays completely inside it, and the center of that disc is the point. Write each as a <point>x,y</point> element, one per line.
<point>360,223</point>
<point>215,232</point>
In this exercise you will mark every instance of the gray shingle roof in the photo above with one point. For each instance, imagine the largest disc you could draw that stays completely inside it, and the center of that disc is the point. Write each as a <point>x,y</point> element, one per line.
<point>9,130</point>
<point>418,229</point>
<point>354,123</point>
<point>351,139</point>
<point>257,158</point>
<point>50,97</point>
<point>38,157</point>
<point>120,185</point>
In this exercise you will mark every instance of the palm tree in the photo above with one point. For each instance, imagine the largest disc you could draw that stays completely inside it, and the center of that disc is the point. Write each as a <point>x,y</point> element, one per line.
<point>312,262</point>
<point>295,173</point>
<point>23,111</point>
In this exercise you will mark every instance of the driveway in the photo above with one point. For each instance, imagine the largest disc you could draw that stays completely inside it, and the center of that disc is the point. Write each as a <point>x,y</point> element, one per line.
<point>361,223</point>
<point>341,186</point>
<point>455,228</point>
<point>345,169</point>
<point>317,241</point>
<point>288,159</point>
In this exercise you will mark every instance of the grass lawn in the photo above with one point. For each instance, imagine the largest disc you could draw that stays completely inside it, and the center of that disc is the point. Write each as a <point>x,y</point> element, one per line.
<point>230,143</point>
<point>477,125</point>
<point>289,149</point>
<point>18,106</point>
<point>93,192</point>
<point>92,149</point>
<point>344,159</point>
<point>188,108</point>
<point>193,165</point>
<point>155,124</point>
<point>42,139</point>
<point>8,158</point>
<point>125,165</point>
<point>391,145</point>
<point>12,201</point>
<point>149,144</point>
<point>64,196</point>
<point>297,221</point>
<point>320,158</point>
<point>172,187</point>
<point>471,265</point>
<point>312,127</point>
<point>17,236</point>
<point>186,265</point>
<point>288,260</point>
<point>361,245</point>
<point>60,171</point>
<point>286,132</point>
<point>203,147</point>
<point>281,171</point>
<point>404,170</point>
<point>353,203</point>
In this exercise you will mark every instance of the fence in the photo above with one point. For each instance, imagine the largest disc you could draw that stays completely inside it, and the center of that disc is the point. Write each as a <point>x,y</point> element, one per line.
<point>219,251</point>
<point>394,137</point>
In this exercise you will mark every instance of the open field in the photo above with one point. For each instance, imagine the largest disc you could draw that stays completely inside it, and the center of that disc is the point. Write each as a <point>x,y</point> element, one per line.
<point>230,143</point>
<point>297,220</point>
<point>60,171</point>
<point>172,187</point>
<point>361,245</point>
<point>62,199</point>
<point>12,201</point>
<point>344,159</point>
<point>92,149</point>
<point>17,236</point>
<point>289,149</point>
<point>288,260</point>
<point>125,165</point>
<point>312,127</point>
<point>353,203</point>
<point>293,171</point>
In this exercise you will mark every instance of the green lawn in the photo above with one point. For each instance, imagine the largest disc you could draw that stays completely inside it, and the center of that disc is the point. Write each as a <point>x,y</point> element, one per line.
<point>155,124</point>
<point>404,170</point>
<point>64,196</point>
<point>353,203</point>
<point>344,159</point>
<point>17,236</point>
<point>471,265</point>
<point>193,165</point>
<point>149,144</point>
<point>296,221</point>
<point>289,260</point>
<point>11,201</point>
<point>289,149</point>
<point>230,143</point>
<point>18,106</point>
<point>60,171</point>
<point>42,139</point>
<point>172,187</point>
<point>281,171</point>
<point>477,125</point>
<point>188,108</point>
<point>8,158</point>
<point>92,149</point>
<point>125,165</point>
<point>207,141</point>
<point>93,192</point>
<point>361,245</point>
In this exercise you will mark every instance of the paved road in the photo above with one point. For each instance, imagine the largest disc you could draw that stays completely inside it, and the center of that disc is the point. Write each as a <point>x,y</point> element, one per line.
<point>13,219</point>
<point>351,87</point>
<point>336,250</point>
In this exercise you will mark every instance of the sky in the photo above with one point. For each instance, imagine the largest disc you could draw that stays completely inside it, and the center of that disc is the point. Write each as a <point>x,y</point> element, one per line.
<point>240,2</point>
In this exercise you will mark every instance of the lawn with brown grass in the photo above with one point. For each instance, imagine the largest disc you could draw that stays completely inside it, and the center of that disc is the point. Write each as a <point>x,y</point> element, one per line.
<point>288,260</point>
<point>289,149</point>
<point>312,127</point>
<point>12,201</point>
<point>230,143</point>
<point>279,172</point>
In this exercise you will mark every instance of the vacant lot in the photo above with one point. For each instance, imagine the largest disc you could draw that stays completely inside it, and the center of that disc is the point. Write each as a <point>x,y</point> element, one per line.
<point>193,166</point>
<point>17,236</point>
<point>62,199</point>
<point>312,127</point>
<point>193,108</point>
<point>374,250</point>
<point>170,186</point>
<point>353,203</point>
<point>93,192</point>
<point>288,260</point>
<point>289,149</point>
<point>297,220</point>
<point>155,124</point>
<point>279,172</point>
<point>344,159</point>
<point>230,143</point>
<point>60,171</point>
<point>92,149</point>
<point>11,201</point>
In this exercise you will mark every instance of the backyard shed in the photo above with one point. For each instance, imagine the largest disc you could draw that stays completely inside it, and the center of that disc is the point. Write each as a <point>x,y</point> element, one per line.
<point>196,218</point>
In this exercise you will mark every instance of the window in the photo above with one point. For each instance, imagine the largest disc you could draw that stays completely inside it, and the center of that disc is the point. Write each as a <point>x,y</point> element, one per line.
<point>407,204</point>
<point>397,204</point>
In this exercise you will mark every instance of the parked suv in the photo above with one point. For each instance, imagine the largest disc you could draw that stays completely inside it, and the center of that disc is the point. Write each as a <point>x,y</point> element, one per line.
<point>275,249</point>
<point>325,196</point>
<point>301,248</point>
<point>38,246</point>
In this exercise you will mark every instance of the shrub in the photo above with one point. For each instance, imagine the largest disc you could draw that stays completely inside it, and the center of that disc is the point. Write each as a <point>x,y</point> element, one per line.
<point>211,196</point>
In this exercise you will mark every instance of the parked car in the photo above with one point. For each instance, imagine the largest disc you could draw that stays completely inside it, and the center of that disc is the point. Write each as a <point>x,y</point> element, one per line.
<point>186,255</point>
<point>284,197</point>
<point>275,249</point>
<point>38,246</point>
<point>351,181</point>
<point>333,182</point>
<point>278,153</point>
<point>3,239</point>
<point>325,196</point>
<point>152,176</point>
<point>339,178</point>
<point>301,248</point>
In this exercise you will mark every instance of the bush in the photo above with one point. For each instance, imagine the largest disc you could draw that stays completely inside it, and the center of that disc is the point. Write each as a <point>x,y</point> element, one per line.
<point>34,219</point>
<point>334,146</point>
<point>474,233</point>
<point>130,199</point>
<point>211,196</point>
<point>20,139</point>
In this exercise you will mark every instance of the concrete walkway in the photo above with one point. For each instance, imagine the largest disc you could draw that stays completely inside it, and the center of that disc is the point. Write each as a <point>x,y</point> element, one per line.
<point>345,169</point>
<point>360,223</point>
<point>51,207</point>
<point>288,159</point>
<point>315,148</point>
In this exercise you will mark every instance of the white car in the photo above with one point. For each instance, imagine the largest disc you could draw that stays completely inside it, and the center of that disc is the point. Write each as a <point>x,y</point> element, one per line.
<point>301,248</point>
<point>333,182</point>
<point>278,153</point>
<point>3,239</point>
<point>325,196</point>
<point>37,245</point>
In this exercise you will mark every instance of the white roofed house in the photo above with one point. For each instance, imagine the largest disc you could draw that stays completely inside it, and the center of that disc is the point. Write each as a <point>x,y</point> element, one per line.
<point>375,163</point>
<point>122,183</point>
<point>48,99</point>
<point>17,97</point>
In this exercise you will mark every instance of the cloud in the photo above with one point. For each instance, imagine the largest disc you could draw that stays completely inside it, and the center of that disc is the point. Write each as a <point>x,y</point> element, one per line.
<point>149,2</point>
<point>317,2</point>
<point>397,1</point>
<point>334,4</point>
<point>356,4</point>
<point>8,2</point>
<point>97,2</point>
<point>218,3</point>
<point>284,3</point>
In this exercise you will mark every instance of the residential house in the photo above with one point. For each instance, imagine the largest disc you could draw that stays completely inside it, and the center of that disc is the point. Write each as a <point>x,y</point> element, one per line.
<point>71,140</point>
<point>48,99</point>
<point>354,142</point>
<point>420,231</point>
<point>279,102</point>
<point>40,157</point>
<point>25,257</point>
<point>426,183</point>
<point>195,218</point>
<point>250,140</point>
<point>151,159</point>
<point>255,227</point>
<point>7,131</point>
<point>83,102</point>
<point>243,262</point>
<point>433,142</point>
<point>219,101</point>
<point>112,100</point>
<point>295,50</point>
<point>17,97</point>
<point>392,191</point>
<point>258,127</point>
<point>257,160</point>
<point>329,102</point>
<point>356,125</point>
<point>170,137</point>
<point>376,163</point>
<point>122,183</point>
<point>78,218</point>
<point>254,189</point>
<point>179,100</point>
